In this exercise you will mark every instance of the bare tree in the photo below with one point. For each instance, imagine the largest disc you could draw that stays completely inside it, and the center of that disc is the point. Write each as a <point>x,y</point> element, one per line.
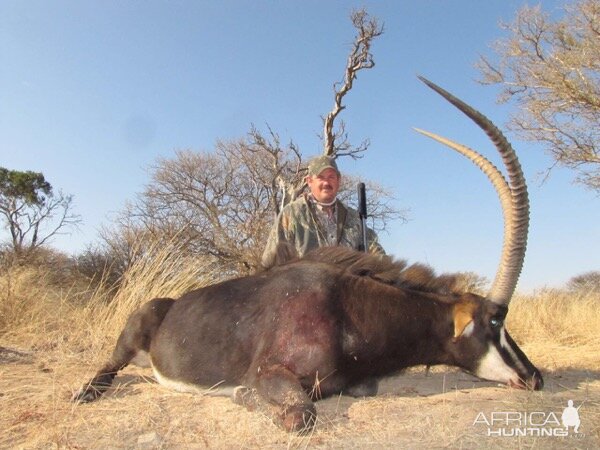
<point>335,141</point>
<point>551,69</point>
<point>223,203</point>
<point>335,138</point>
<point>120,246</point>
<point>281,169</point>
<point>220,203</point>
<point>585,282</point>
<point>380,202</point>
<point>471,282</point>
<point>32,212</point>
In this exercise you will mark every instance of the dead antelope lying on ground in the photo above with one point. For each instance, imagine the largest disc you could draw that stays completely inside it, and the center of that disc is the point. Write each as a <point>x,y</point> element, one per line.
<point>336,320</point>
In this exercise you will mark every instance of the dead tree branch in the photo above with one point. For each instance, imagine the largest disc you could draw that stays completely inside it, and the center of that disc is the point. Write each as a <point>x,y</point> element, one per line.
<point>336,141</point>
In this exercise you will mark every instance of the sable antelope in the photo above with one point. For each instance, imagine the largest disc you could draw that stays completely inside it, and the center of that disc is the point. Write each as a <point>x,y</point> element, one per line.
<point>335,321</point>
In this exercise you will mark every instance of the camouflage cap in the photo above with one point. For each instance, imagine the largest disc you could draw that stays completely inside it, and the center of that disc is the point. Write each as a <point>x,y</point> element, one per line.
<point>320,163</point>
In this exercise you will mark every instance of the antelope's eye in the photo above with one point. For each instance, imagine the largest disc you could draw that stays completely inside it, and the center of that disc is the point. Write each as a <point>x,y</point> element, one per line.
<point>496,322</point>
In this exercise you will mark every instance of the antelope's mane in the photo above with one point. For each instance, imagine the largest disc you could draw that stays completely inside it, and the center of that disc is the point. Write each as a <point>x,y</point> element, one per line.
<point>381,268</point>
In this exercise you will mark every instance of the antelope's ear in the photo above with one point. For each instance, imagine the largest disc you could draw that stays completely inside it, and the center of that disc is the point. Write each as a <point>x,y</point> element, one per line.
<point>463,319</point>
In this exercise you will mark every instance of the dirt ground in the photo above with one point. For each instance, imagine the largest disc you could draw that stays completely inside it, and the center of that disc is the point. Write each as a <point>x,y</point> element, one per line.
<point>444,408</point>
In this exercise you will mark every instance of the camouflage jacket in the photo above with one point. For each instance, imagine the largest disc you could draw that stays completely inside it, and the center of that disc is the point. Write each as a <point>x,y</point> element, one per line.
<point>299,224</point>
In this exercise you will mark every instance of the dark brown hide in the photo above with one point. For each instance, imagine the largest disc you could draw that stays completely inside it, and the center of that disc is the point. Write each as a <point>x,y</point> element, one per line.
<point>332,322</point>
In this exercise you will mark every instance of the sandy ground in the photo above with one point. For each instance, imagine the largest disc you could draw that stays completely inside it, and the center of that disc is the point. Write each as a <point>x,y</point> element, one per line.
<point>444,408</point>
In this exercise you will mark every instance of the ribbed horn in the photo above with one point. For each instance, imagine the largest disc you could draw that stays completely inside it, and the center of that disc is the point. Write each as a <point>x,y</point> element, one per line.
<point>513,197</point>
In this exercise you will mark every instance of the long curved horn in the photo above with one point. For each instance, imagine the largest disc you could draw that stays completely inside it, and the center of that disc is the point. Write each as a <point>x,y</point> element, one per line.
<point>513,197</point>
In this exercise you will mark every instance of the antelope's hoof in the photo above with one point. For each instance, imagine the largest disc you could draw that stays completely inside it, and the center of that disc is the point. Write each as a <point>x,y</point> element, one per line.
<point>245,396</point>
<point>86,394</point>
<point>299,419</point>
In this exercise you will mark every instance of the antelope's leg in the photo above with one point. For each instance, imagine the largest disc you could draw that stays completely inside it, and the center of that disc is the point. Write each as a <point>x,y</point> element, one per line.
<point>278,393</point>
<point>134,340</point>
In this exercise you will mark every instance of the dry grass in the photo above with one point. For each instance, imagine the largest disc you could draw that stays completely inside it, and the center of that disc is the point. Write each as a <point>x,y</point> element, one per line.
<point>558,329</point>
<point>76,317</point>
<point>57,339</point>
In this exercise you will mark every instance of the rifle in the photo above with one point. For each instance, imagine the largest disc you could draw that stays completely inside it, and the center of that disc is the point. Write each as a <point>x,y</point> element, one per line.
<point>362,213</point>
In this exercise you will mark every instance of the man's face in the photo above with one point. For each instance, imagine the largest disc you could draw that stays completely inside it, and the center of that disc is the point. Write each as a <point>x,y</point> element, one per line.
<point>324,187</point>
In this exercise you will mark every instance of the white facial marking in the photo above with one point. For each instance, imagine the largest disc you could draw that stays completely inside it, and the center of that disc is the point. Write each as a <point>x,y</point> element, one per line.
<point>492,366</point>
<point>504,343</point>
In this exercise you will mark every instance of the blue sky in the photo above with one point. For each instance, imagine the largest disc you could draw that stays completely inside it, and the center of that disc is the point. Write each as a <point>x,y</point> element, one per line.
<point>92,92</point>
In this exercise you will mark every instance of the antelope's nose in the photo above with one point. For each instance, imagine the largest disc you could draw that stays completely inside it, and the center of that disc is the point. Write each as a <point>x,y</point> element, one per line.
<point>536,382</point>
